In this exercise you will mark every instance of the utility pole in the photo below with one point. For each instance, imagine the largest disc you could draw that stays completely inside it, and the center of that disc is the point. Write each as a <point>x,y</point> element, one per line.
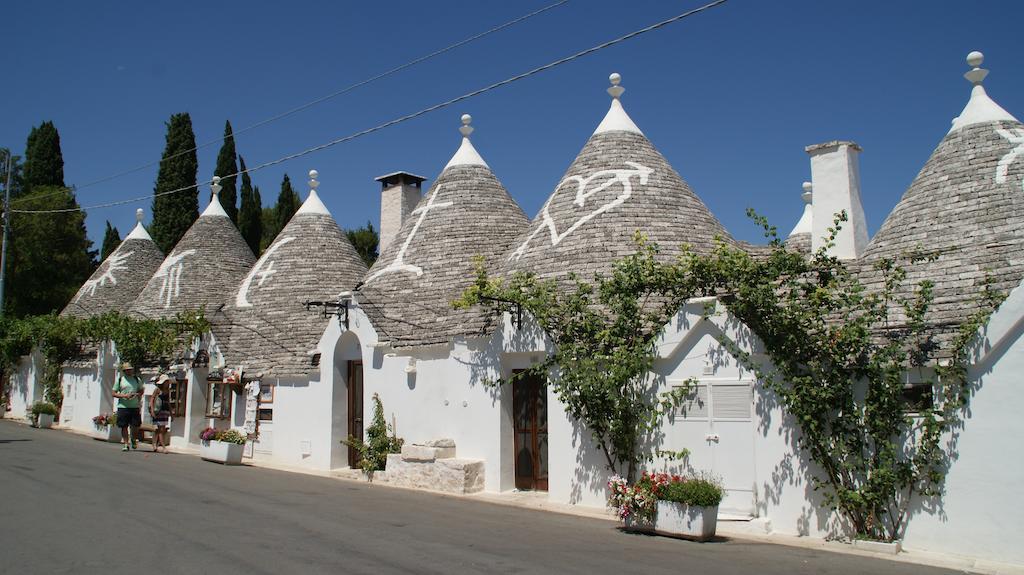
<point>7,225</point>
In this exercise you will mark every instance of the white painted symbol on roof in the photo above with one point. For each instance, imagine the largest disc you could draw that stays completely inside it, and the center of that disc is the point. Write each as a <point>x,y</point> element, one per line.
<point>1014,136</point>
<point>116,262</point>
<point>170,271</point>
<point>399,265</point>
<point>264,273</point>
<point>620,176</point>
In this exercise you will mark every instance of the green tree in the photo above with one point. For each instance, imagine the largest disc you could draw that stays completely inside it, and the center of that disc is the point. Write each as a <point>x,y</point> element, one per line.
<point>111,239</point>
<point>365,240</point>
<point>174,213</point>
<point>50,254</point>
<point>226,165</point>
<point>44,162</point>
<point>288,203</point>
<point>250,216</point>
<point>275,219</point>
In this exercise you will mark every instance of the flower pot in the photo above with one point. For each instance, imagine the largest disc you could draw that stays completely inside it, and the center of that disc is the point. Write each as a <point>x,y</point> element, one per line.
<point>221,452</point>
<point>689,521</point>
<point>110,433</point>
<point>632,523</point>
<point>44,421</point>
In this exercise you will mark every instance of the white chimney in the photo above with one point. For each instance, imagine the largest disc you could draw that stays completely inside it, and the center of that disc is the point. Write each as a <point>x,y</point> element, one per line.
<point>400,192</point>
<point>835,175</point>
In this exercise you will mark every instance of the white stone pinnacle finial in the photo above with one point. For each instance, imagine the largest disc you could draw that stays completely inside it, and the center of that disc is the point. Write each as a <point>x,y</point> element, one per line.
<point>138,215</point>
<point>807,195</point>
<point>616,90</point>
<point>313,183</point>
<point>977,74</point>
<point>466,129</point>
<point>216,187</point>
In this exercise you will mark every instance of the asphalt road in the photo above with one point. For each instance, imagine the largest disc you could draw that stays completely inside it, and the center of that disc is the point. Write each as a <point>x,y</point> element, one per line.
<point>74,505</point>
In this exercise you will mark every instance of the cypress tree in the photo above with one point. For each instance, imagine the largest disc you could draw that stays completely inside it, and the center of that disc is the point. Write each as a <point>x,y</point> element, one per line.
<point>226,165</point>
<point>288,203</point>
<point>174,213</point>
<point>44,162</point>
<point>111,239</point>
<point>250,220</point>
<point>268,217</point>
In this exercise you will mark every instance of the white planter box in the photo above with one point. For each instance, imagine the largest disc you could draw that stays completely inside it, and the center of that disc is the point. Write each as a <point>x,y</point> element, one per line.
<point>221,452</point>
<point>44,421</point>
<point>680,520</point>
<point>110,433</point>
<point>878,546</point>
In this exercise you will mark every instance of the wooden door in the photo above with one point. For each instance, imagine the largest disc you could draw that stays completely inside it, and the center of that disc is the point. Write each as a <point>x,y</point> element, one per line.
<point>355,408</point>
<point>530,420</point>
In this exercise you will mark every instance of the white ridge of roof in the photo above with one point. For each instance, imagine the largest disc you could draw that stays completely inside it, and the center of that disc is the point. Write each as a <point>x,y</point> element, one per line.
<point>979,109</point>
<point>214,209</point>
<point>139,233</point>
<point>313,205</point>
<point>466,156</point>
<point>617,120</point>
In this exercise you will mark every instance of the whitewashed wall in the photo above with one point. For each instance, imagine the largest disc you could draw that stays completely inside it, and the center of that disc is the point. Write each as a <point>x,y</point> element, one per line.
<point>25,388</point>
<point>979,515</point>
<point>445,398</point>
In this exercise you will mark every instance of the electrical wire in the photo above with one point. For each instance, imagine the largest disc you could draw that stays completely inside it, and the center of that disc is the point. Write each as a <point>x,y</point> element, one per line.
<point>322,99</point>
<point>407,117</point>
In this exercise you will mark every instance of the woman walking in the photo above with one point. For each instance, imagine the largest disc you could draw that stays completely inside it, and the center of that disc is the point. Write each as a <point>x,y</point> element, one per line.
<point>159,410</point>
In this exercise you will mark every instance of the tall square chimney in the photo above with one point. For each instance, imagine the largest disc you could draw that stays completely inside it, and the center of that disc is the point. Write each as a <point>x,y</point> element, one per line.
<point>400,192</point>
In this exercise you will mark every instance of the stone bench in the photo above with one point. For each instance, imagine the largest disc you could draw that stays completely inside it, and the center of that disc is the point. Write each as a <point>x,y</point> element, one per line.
<point>433,465</point>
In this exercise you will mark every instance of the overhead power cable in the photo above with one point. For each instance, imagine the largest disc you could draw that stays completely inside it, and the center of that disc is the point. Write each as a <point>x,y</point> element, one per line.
<point>411,116</point>
<point>320,100</point>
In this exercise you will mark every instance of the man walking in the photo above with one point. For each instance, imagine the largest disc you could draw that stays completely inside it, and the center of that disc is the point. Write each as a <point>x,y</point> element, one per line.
<point>128,389</point>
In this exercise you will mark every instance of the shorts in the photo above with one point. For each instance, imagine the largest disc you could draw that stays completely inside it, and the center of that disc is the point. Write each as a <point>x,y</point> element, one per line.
<point>161,419</point>
<point>128,416</point>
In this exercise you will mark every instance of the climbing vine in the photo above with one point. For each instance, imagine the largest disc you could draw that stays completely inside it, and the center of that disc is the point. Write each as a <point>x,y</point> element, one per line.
<point>61,338</point>
<point>840,364</point>
<point>604,336</point>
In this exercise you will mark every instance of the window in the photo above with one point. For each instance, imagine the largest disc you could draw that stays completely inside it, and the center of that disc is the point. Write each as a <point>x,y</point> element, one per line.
<point>695,404</point>
<point>917,397</point>
<point>218,400</point>
<point>177,389</point>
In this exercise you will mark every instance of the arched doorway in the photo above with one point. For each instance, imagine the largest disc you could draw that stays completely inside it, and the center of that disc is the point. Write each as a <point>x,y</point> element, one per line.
<point>347,399</point>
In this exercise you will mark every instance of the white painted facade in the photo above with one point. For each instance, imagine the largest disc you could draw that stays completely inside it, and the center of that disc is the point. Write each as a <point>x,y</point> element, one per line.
<point>24,387</point>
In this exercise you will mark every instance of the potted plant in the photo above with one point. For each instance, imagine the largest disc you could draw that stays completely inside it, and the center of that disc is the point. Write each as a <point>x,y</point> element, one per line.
<point>635,505</point>
<point>667,504</point>
<point>43,413</point>
<point>105,428</point>
<point>221,446</point>
<point>688,507</point>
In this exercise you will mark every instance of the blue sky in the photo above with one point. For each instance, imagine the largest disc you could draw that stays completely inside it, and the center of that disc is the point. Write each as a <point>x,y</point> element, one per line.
<point>730,97</point>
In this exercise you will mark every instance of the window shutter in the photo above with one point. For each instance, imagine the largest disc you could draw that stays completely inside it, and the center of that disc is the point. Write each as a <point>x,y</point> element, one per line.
<point>695,406</point>
<point>731,401</point>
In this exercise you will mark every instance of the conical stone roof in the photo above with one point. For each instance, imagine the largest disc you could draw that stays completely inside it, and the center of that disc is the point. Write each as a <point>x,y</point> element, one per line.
<point>619,184</point>
<point>119,279</point>
<point>966,206</point>
<point>201,271</point>
<point>271,331</point>
<point>407,294</point>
